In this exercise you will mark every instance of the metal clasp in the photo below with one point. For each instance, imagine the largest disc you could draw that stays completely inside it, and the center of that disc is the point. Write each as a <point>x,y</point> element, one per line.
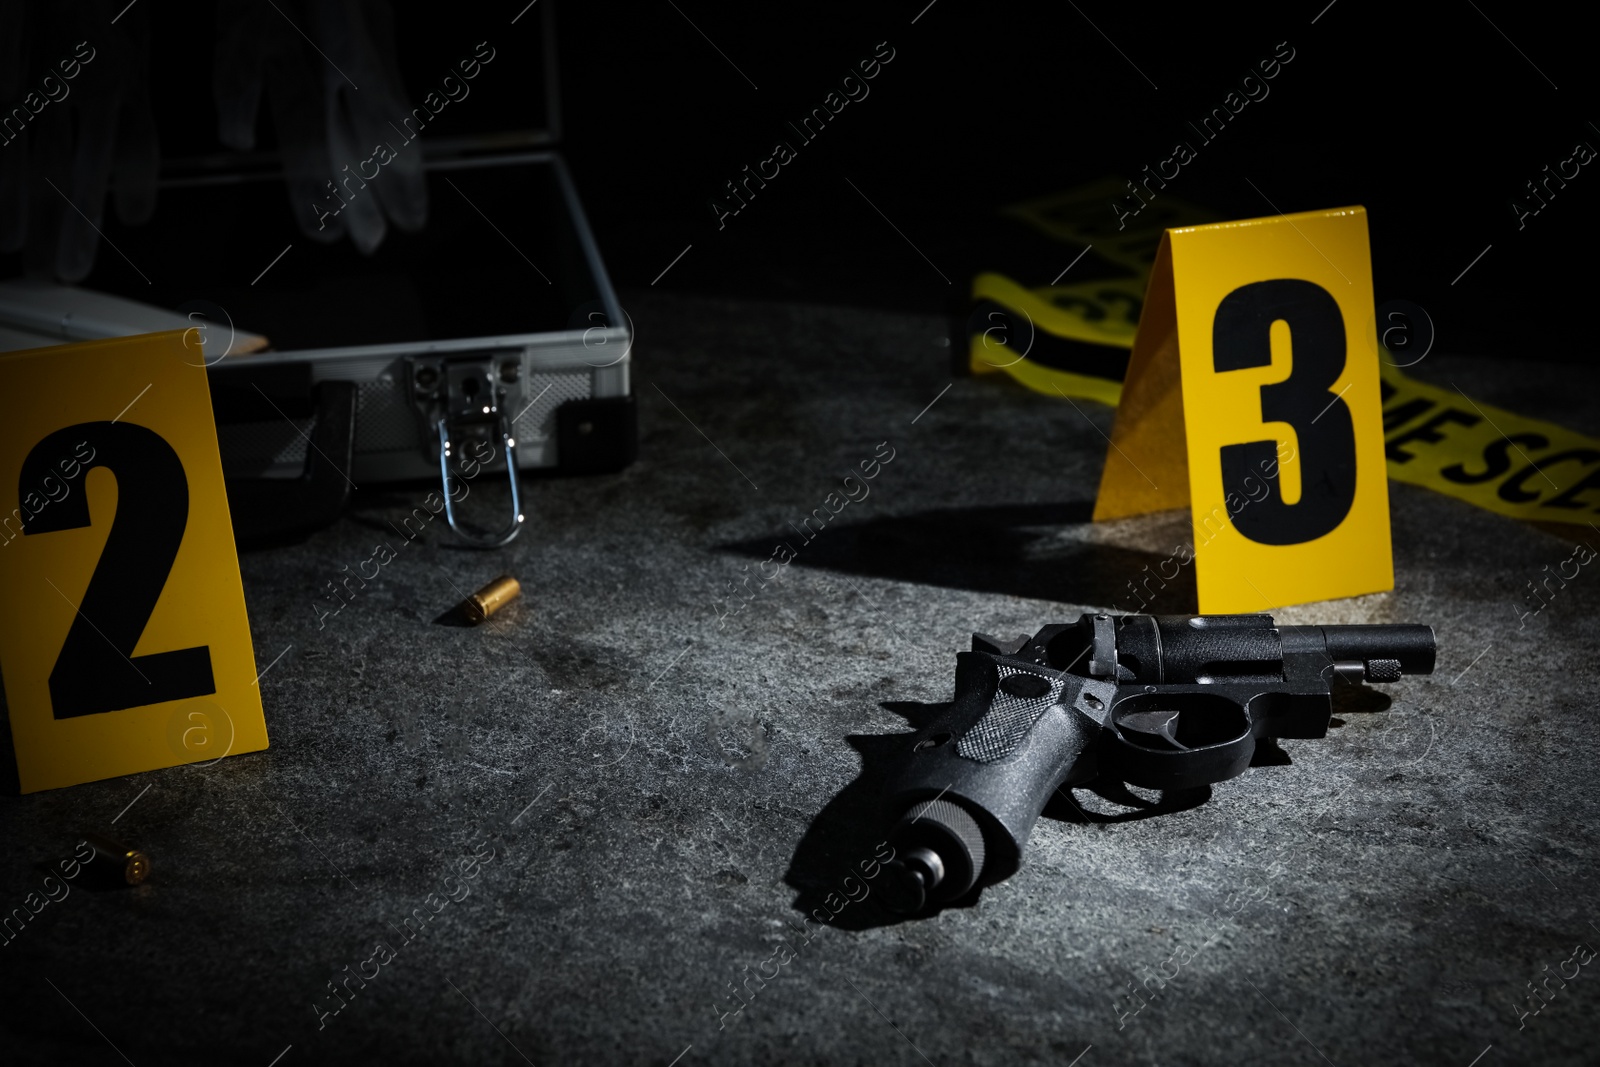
<point>460,400</point>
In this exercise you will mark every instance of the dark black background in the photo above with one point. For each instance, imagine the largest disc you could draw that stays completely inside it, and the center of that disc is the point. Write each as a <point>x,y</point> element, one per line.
<point>1433,120</point>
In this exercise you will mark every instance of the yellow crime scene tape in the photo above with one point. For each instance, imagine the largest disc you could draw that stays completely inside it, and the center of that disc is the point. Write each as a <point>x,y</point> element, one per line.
<point>1499,460</point>
<point>1035,335</point>
<point>1073,341</point>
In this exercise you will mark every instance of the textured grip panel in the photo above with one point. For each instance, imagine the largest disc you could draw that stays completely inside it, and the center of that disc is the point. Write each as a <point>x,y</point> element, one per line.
<point>1008,719</point>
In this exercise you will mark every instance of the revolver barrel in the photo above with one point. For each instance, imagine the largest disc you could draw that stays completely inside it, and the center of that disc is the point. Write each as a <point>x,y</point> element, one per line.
<point>1385,651</point>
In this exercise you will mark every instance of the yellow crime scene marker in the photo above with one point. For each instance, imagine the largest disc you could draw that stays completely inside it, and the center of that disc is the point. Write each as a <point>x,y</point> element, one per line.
<point>1252,397</point>
<point>1070,339</point>
<point>124,642</point>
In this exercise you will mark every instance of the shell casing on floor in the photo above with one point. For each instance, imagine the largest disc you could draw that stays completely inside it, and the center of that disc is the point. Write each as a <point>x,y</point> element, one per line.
<point>116,862</point>
<point>492,597</point>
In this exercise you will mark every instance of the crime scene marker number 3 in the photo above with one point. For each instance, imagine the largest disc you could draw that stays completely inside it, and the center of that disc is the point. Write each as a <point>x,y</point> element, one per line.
<point>1241,338</point>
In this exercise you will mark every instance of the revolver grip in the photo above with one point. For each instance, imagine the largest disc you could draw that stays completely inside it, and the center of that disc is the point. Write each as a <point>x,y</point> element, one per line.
<point>1015,733</point>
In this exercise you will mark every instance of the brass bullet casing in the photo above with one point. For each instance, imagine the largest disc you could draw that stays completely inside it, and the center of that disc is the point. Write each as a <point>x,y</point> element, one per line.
<point>115,862</point>
<point>492,597</point>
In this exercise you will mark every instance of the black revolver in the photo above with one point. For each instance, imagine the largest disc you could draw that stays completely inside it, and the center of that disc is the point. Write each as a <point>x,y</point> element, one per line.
<point>1168,702</point>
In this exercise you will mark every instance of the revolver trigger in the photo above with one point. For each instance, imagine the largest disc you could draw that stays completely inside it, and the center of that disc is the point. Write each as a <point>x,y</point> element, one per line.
<point>1162,724</point>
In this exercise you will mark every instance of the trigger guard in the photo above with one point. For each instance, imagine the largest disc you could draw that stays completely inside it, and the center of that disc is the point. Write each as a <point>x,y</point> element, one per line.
<point>1219,741</point>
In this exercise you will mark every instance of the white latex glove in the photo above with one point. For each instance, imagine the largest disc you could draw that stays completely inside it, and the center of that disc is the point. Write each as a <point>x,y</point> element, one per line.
<point>91,126</point>
<point>330,111</point>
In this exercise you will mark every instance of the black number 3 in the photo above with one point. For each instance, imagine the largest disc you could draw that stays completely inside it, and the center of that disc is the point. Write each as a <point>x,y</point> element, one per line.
<point>1241,338</point>
<point>97,670</point>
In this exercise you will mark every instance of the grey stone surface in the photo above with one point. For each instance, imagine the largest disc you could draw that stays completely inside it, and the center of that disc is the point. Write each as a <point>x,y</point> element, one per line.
<point>662,791</point>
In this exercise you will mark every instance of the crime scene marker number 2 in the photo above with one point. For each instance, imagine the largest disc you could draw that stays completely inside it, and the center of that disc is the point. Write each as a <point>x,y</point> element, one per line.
<point>97,670</point>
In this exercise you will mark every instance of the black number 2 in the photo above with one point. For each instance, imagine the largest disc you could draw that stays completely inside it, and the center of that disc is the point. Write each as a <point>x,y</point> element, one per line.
<point>97,670</point>
<point>1241,338</point>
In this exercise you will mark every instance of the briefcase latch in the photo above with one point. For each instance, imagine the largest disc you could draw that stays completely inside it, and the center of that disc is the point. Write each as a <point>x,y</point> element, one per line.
<point>462,401</point>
